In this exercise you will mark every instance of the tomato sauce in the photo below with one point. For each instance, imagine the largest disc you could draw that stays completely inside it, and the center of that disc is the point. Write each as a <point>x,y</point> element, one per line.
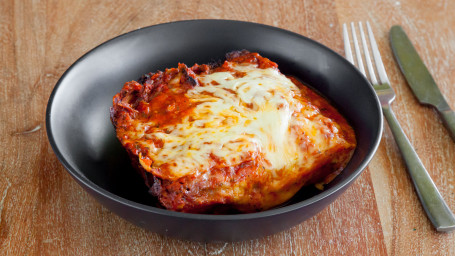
<point>159,100</point>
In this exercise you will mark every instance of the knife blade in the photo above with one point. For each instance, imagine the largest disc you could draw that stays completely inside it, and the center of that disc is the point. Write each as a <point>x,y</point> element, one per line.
<point>419,78</point>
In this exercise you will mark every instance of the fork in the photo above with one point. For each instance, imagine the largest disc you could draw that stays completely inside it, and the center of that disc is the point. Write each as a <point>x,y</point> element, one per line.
<point>434,205</point>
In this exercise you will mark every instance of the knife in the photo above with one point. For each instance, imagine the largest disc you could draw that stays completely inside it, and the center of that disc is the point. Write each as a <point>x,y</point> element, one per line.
<point>419,78</point>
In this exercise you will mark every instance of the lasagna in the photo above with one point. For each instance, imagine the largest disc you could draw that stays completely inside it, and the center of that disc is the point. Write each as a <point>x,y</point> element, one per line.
<point>237,136</point>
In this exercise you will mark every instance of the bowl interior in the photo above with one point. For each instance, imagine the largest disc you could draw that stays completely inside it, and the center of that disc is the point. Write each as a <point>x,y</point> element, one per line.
<point>83,137</point>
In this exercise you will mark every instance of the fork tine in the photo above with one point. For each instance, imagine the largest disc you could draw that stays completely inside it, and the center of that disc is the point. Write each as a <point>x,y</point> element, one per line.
<point>367,55</point>
<point>357,50</point>
<point>347,45</point>
<point>377,56</point>
<point>435,207</point>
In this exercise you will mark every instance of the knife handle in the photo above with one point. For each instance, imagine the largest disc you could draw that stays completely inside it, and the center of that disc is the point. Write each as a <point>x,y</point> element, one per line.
<point>436,208</point>
<point>448,118</point>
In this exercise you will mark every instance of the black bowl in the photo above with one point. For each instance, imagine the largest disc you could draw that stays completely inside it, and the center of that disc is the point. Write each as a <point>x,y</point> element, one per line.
<point>83,138</point>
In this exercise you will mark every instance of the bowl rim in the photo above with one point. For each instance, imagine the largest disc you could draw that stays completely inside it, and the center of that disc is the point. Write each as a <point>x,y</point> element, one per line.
<point>197,216</point>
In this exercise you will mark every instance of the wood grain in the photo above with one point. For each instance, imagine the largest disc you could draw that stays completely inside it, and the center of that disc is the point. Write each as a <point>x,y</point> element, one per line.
<point>44,212</point>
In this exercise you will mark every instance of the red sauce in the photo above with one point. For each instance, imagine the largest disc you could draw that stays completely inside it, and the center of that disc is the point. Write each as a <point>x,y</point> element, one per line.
<point>160,99</point>
<point>157,100</point>
<point>325,108</point>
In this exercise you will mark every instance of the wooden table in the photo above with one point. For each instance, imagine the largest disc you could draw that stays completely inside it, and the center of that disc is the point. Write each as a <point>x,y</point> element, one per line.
<point>43,211</point>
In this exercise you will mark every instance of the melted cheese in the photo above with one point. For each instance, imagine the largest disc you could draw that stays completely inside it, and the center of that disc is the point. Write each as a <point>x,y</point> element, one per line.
<point>254,116</point>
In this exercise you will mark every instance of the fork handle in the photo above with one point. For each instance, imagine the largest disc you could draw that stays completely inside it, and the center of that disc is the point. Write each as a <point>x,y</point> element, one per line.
<point>436,208</point>
<point>448,118</point>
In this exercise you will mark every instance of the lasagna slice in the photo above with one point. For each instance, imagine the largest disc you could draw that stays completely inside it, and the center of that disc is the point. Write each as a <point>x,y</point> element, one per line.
<point>234,137</point>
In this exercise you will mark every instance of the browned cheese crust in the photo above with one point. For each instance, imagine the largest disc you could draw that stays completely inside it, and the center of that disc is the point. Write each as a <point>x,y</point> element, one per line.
<point>149,114</point>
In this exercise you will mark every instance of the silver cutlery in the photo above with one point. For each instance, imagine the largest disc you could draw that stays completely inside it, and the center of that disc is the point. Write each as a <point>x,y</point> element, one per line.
<point>419,78</point>
<point>435,207</point>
